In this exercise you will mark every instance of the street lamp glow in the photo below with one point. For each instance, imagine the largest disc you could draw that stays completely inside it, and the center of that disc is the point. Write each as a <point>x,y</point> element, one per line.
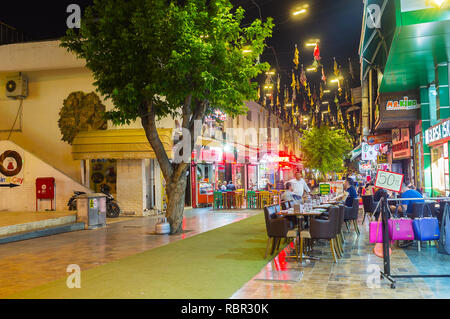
<point>336,80</point>
<point>312,42</point>
<point>296,13</point>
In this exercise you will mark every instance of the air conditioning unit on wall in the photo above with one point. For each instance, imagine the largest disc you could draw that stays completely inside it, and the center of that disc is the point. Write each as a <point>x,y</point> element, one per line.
<point>17,87</point>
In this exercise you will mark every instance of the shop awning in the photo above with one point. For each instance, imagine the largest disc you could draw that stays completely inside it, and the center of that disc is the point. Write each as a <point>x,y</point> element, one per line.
<point>118,144</point>
<point>411,38</point>
<point>355,153</point>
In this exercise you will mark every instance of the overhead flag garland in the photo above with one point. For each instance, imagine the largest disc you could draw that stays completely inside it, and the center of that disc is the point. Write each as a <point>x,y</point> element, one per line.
<point>310,95</point>
<point>296,57</point>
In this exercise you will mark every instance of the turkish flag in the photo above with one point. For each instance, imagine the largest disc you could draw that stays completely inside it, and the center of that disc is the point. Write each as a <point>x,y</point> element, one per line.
<point>317,52</point>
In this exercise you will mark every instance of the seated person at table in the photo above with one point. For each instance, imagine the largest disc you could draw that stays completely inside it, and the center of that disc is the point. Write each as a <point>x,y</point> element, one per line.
<point>224,186</point>
<point>268,187</point>
<point>370,189</point>
<point>231,186</point>
<point>289,194</point>
<point>406,207</point>
<point>350,189</point>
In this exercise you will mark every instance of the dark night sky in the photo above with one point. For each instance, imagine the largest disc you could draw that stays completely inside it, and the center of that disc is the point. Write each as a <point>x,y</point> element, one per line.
<point>336,22</point>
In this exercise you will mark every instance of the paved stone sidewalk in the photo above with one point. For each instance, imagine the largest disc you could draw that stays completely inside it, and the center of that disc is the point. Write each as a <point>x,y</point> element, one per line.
<point>348,279</point>
<point>31,263</point>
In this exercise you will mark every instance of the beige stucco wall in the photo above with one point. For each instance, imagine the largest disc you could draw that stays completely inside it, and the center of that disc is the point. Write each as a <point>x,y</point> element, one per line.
<point>23,198</point>
<point>53,74</point>
<point>40,113</point>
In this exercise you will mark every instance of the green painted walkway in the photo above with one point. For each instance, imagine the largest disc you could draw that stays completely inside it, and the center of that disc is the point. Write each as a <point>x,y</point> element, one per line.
<point>211,265</point>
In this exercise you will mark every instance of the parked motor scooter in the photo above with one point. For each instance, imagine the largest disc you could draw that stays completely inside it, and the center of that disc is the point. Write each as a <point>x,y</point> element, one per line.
<point>112,208</point>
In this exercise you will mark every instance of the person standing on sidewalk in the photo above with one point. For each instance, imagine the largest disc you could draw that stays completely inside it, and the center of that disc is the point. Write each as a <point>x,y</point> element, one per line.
<point>299,185</point>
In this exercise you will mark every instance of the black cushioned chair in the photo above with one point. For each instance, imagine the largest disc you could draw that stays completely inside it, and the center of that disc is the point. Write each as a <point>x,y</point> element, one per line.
<point>369,206</point>
<point>277,228</point>
<point>351,215</point>
<point>323,229</point>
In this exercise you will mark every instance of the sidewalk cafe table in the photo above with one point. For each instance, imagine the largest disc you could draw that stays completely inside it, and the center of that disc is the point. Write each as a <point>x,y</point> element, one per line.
<point>308,215</point>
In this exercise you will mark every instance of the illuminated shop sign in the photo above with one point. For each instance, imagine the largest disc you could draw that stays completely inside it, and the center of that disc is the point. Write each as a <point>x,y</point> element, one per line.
<point>405,104</point>
<point>438,133</point>
<point>401,148</point>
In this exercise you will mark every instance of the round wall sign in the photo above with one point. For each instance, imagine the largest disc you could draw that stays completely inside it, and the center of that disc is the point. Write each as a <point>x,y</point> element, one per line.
<point>9,168</point>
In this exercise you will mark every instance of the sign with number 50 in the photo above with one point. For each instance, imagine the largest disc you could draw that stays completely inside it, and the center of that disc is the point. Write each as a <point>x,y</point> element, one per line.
<point>390,181</point>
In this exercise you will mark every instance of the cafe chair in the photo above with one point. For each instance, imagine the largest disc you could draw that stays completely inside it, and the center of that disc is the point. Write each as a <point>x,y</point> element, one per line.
<point>293,220</point>
<point>351,216</point>
<point>265,198</point>
<point>285,205</point>
<point>218,200</point>
<point>339,236</point>
<point>369,207</point>
<point>252,200</point>
<point>277,229</point>
<point>323,229</point>
<point>230,198</point>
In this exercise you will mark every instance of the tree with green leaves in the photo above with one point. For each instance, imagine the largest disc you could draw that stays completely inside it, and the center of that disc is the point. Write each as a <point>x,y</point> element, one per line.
<point>159,58</point>
<point>325,149</point>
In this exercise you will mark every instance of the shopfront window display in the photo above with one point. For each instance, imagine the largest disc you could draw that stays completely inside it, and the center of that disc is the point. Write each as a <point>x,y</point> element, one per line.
<point>103,171</point>
<point>440,169</point>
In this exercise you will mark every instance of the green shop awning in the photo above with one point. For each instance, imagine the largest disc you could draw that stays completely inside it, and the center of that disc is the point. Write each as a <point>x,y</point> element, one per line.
<point>412,39</point>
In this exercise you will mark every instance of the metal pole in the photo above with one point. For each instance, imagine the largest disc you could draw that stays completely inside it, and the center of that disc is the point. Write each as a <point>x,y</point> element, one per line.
<point>386,257</point>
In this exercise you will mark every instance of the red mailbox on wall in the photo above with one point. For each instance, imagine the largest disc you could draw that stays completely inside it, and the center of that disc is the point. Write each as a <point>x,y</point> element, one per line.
<point>45,190</point>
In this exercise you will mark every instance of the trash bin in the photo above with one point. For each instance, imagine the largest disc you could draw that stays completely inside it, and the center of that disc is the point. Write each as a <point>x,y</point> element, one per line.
<point>92,210</point>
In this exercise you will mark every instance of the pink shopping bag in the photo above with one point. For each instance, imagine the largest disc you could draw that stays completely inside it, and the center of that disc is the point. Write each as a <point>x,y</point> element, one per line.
<point>375,232</point>
<point>401,229</point>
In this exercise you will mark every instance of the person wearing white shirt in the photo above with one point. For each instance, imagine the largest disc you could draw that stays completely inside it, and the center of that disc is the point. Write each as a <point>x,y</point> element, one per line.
<point>299,185</point>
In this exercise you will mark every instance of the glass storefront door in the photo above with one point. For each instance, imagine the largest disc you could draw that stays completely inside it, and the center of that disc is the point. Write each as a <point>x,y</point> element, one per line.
<point>239,176</point>
<point>252,177</point>
<point>439,169</point>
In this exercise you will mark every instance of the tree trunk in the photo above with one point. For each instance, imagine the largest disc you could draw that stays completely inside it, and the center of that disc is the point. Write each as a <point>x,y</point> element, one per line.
<point>174,174</point>
<point>176,192</point>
